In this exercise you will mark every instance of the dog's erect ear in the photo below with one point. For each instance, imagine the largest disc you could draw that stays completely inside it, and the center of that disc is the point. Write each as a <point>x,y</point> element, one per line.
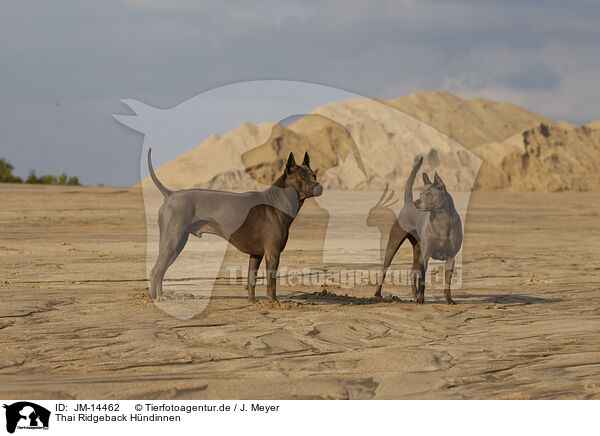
<point>291,163</point>
<point>426,179</point>
<point>437,181</point>
<point>306,160</point>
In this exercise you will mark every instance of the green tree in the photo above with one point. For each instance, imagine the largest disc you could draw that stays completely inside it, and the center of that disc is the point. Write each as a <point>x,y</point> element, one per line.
<point>6,175</point>
<point>73,181</point>
<point>48,179</point>
<point>32,178</point>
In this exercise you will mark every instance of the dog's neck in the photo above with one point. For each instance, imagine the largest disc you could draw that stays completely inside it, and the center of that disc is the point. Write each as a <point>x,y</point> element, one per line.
<point>446,209</point>
<point>280,183</point>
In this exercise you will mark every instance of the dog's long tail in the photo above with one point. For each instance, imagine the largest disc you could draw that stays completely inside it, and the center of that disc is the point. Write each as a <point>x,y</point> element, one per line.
<point>408,194</point>
<point>164,191</point>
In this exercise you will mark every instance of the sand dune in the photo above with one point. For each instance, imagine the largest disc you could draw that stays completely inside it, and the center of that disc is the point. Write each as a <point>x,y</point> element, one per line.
<point>544,158</point>
<point>363,144</point>
<point>216,156</point>
<point>468,122</point>
<point>565,125</point>
<point>360,144</point>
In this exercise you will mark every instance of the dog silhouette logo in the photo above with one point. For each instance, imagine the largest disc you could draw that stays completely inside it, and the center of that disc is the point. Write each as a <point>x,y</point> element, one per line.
<point>26,415</point>
<point>239,148</point>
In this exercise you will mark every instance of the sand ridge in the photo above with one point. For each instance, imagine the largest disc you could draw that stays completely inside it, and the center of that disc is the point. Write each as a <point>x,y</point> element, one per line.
<point>521,150</point>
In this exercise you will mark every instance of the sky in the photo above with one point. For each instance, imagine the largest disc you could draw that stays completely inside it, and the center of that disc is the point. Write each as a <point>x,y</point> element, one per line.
<point>65,65</point>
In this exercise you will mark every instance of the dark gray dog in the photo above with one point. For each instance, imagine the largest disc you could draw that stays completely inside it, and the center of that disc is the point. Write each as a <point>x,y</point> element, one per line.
<point>256,223</point>
<point>433,226</point>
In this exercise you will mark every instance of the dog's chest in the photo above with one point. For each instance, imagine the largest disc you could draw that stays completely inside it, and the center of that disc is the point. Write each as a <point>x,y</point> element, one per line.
<point>443,241</point>
<point>441,250</point>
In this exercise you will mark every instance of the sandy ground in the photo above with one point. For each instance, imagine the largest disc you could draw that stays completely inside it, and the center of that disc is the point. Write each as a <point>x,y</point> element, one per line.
<point>76,322</point>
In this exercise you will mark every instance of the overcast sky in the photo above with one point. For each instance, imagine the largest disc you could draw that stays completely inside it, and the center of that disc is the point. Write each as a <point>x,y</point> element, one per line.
<point>64,65</point>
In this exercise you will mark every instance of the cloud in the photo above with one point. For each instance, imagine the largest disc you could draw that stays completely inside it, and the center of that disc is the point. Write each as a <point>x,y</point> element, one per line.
<point>536,76</point>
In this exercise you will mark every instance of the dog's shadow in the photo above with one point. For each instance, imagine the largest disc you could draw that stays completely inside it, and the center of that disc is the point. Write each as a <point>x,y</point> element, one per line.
<point>511,299</point>
<point>327,297</point>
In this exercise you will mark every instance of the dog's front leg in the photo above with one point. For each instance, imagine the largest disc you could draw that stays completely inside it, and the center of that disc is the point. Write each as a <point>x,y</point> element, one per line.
<point>421,270</point>
<point>448,271</point>
<point>272,261</point>
<point>253,265</point>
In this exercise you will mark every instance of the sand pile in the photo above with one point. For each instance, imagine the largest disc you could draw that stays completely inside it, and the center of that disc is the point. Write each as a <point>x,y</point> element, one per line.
<point>325,141</point>
<point>521,150</point>
<point>469,122</point>
<point>357,144</point>
<point>547,158</point>
<point>218,157</point>
<point>389,141</point>
<point>363,144</point>
<point>250,156</point>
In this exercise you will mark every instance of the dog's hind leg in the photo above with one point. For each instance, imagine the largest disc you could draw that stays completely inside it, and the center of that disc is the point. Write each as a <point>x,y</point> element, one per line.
<point>170,245</point>
<point>253,265</point>
<point>448,271</point>
<point>414,271</point>
<point>397,237</point>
